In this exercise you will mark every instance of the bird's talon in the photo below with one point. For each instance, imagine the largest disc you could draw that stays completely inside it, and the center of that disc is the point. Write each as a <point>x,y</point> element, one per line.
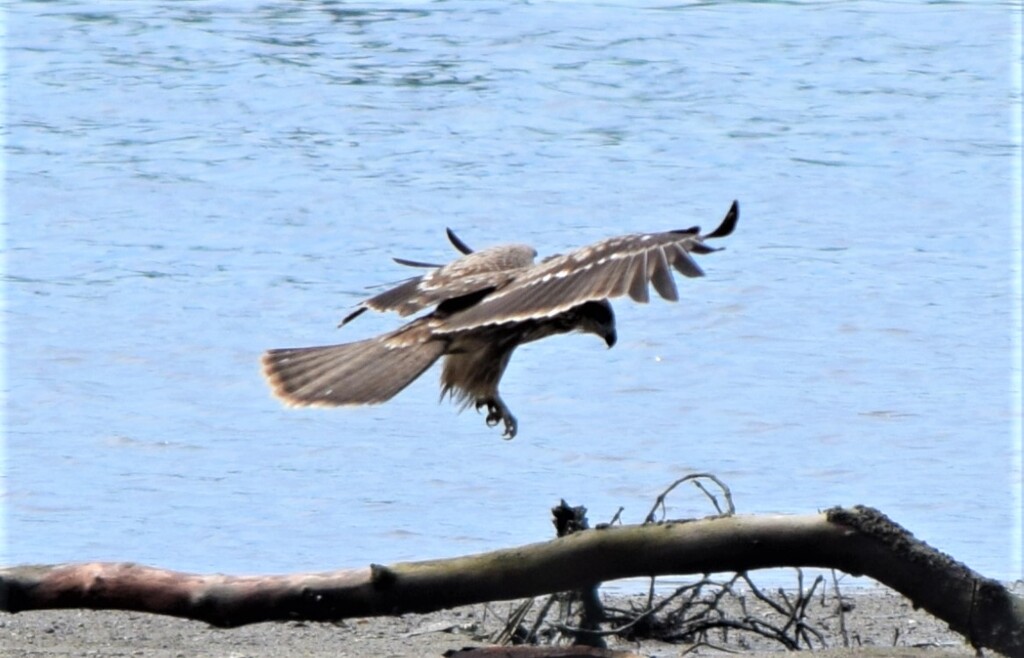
<point>494,415</point>
<point>511,427</point>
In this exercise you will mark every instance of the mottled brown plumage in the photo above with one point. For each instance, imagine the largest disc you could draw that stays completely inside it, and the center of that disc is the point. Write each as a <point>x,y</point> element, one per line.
<point>485,304</point>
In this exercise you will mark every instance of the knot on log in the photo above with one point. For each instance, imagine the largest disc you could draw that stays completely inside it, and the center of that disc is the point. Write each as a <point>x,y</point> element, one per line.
<point>382,577</point>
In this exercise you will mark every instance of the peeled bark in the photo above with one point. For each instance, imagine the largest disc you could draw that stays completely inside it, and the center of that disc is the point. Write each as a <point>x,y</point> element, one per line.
<point>859,541</point>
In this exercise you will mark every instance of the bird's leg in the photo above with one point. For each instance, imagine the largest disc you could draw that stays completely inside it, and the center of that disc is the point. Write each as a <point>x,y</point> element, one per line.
<point>497,412</point>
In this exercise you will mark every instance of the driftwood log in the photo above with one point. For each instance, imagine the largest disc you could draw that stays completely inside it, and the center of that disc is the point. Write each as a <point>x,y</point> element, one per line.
<point>858,541</point>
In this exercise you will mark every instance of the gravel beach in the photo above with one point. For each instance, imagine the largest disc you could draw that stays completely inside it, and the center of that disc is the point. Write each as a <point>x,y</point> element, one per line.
<point>878,623</point>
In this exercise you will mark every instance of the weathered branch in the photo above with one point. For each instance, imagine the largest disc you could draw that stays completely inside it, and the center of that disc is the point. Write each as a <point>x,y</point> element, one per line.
<point>860,541</point>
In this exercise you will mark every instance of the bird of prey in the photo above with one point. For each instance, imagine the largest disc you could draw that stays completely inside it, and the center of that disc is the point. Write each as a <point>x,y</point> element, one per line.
<point>486,304</point>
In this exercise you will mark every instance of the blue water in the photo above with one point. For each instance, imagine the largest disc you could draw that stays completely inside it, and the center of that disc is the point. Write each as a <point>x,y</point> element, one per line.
<point>190,183</point>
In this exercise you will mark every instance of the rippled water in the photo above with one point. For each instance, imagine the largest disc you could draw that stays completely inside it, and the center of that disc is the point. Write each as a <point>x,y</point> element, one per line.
<point>190,183</point>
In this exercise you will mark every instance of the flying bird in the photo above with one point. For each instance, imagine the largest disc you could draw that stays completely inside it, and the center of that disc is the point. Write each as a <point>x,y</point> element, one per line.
<point>485,304</point>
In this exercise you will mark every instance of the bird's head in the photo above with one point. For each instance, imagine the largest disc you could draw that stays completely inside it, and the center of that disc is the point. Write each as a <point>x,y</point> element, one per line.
<point>598,318</point>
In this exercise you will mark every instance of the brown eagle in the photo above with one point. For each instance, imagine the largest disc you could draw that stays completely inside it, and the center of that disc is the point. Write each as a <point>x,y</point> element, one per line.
<point>485,305</point>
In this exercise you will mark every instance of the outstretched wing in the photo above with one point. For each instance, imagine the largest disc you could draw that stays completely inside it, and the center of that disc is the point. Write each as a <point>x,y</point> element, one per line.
<point>474,272</point>
<point>611,268</point>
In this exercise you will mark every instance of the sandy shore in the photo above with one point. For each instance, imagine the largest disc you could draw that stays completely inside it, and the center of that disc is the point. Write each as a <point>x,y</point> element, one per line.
<point>880,623</point>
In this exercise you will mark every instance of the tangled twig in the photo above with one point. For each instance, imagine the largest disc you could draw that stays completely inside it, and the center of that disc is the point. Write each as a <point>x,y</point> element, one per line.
<point>695,477</point>
<point>702,613</point>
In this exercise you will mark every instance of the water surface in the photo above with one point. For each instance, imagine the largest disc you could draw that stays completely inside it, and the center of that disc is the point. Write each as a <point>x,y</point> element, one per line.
<point>190,183</point>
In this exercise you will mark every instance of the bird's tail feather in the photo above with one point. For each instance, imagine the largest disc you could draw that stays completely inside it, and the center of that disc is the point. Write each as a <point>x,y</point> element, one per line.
<point>363,372</point>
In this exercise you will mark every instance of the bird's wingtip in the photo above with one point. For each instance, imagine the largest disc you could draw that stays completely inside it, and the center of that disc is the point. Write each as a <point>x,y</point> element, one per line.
<point>728,223</point>
<point>457,242</point>
<point>352,316</point>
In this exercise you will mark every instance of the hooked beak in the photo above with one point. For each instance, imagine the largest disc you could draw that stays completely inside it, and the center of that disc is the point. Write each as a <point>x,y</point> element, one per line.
<point>610,338</point>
